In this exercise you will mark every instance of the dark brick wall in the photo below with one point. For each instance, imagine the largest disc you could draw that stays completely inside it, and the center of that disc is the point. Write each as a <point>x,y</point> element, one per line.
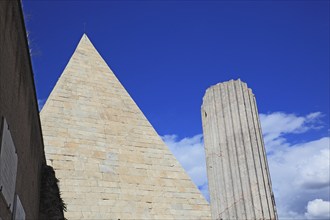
<point>18,105</point>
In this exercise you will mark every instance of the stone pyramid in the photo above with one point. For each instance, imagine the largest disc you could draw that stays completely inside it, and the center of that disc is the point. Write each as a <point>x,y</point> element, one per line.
<point>110,161</point>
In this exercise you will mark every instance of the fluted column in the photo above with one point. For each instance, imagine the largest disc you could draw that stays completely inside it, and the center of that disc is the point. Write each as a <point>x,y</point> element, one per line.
<point>239,181</point>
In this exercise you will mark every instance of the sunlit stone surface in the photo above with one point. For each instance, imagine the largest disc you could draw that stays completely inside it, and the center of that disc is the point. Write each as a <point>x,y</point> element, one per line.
<point>237,168</point>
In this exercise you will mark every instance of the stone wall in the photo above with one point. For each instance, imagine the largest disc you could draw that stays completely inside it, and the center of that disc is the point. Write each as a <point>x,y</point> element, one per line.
<point>18,106</point>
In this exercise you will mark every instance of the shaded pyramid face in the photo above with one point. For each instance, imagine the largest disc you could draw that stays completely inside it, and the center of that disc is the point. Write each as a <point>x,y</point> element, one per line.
<point>110,161</point>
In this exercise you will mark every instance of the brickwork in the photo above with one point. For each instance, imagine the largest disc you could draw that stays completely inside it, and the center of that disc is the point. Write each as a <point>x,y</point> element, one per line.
<point>110,161</point>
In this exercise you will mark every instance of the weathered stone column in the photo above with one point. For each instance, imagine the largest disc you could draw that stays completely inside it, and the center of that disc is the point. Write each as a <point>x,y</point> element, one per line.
<point>239,181</point>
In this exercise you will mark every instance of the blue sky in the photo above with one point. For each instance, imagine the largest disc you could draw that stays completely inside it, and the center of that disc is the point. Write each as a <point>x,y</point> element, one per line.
<point>167,53</point>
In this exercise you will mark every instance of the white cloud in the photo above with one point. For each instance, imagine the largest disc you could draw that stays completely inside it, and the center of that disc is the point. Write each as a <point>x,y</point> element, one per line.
<point>190,153</point>
<point>318,209</point>
<point>277,124</point>
<point>300,172</point>
<point>280,123</point>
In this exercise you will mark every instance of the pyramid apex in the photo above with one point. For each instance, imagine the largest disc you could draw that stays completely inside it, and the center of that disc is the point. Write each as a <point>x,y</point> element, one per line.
<point>85,43</point>
<point>84,38</point>
<point>84,35</point>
